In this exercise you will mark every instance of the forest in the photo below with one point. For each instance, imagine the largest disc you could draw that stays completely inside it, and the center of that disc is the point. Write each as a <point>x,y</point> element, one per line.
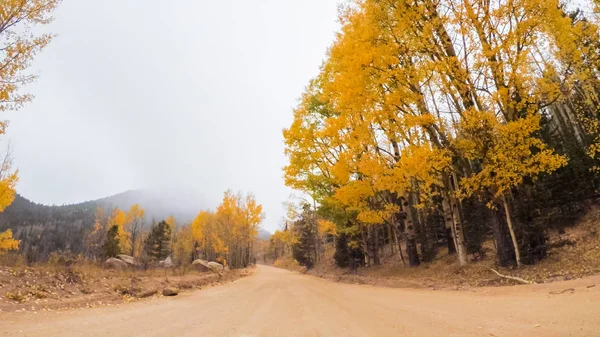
<point>92,232</point>
<point>42,230</point>
<point>440,125</point>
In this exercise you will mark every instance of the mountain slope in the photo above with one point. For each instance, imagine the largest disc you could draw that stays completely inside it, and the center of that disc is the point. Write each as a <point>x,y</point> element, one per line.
<point>44,229</point>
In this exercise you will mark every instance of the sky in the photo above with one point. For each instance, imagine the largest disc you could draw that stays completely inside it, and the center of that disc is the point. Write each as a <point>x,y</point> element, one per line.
<point>186,94</point>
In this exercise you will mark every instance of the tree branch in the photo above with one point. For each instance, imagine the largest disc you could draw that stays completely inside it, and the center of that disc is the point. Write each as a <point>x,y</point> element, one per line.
<point>518,279</point>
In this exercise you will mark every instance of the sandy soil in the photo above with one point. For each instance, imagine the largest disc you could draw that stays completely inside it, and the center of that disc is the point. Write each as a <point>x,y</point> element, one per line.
<point>275,302</point>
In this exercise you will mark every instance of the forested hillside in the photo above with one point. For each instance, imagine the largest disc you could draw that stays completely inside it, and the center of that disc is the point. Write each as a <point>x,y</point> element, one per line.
<point>45,229</point>
<point>441,125</point>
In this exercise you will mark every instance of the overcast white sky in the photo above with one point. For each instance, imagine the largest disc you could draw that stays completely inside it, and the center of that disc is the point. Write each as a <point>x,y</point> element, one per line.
<point>154,94</point>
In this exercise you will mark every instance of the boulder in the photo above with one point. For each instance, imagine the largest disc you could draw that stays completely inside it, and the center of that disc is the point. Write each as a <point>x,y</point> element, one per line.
<point>201,265</point>
<point>147,293</point>
<point>113,263</point>
<point>170,291</point>
<point>127,259</point>
<point>200,262</point>
<point>215,267</point>
<point>166,263</point>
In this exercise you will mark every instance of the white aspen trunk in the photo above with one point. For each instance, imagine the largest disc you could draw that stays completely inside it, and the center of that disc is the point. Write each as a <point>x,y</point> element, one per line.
<point>366,248</point>
<point>461,247</point>
<point>400,255</point>
<point>410,233</point>
<point>448,218</point>
<point>453,219</point>
<point>457,231</point>
<point>511,229</point>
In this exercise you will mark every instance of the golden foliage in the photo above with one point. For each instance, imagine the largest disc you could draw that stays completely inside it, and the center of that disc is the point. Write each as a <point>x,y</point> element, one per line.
<point>327,227</point>
<point>134,221</point>
<point>183,246</point>
<point>7,242</point>
<point>134,214</point>
<point>119,218</point>
<point>20,43</point>
<point>171,222</point>
<point>199,225</point>
<point>225,235</point>
<point>8,182</point>
<point>412,94</point>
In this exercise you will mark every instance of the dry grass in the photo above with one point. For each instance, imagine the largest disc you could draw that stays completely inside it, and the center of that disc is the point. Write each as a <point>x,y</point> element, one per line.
<point>16,296</point>
<point>289,263</point>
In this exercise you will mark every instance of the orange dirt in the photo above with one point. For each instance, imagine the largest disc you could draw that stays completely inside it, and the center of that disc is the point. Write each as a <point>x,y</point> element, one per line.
<point>275,302</point>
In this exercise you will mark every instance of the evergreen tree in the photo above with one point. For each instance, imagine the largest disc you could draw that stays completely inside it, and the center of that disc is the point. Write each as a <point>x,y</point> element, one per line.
<point>342,251</point>
<point>111,245</point>
<point>158,243</point>
<point>305,230</point>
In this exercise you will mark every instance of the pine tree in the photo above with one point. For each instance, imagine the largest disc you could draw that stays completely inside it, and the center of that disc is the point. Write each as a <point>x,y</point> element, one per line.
<point>111,246</point>
<point>158,243</point>
<point>304,250</point>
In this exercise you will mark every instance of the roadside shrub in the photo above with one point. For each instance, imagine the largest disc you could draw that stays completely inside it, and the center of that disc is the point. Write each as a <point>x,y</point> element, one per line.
<point>17,296</point>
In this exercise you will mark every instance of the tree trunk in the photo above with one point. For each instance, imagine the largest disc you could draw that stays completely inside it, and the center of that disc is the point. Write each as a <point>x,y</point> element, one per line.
<point>375,245</point>
<point>132,245</point>
<point>411,234</point>
<point>450,239</point>
<point>411,250</point>
<point>451,211</point>
<point>378,246</point>
<point>448,223</point>
<point>458,224</point>
<point>504,248</point>
<point>459,234</point>
<point>389,238</point>
<point>396,233</point>
<point>426,236</point>
<point>366,247</point>
<point>316,240</point>
<point>427,239</point>
<point>381,241</point>
<point>511,229</point>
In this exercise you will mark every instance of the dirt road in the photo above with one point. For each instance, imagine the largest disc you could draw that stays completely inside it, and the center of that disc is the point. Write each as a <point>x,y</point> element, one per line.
<point>277,303</point>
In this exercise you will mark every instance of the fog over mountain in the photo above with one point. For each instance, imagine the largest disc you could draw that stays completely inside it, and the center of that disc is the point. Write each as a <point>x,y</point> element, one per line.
<point>43,229</point>
<point>168,94</point>
<point>184,205</point>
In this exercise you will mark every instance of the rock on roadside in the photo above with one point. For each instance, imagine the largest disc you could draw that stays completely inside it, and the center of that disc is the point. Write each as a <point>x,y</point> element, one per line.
<point>128,259</point>
<point>201,265</point>
<point>170,291</point>
<point>216,268</point>
<point>166,263</point>
<point>147,293</point>
<point>113,263</point>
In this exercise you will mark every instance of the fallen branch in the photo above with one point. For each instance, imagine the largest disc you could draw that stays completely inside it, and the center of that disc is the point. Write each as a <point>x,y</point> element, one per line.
<point>558,292</point>
<point>518,279</point>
